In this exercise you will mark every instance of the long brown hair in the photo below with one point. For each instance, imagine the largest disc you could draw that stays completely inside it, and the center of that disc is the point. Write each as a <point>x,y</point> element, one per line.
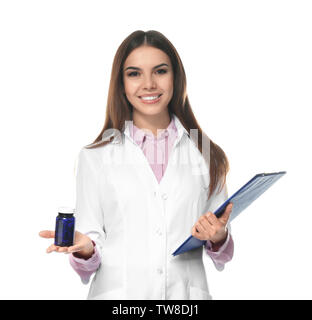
<point>119,109</point>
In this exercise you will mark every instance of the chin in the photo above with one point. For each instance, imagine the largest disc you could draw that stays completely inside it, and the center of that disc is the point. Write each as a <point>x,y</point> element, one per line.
<point>150,111</point>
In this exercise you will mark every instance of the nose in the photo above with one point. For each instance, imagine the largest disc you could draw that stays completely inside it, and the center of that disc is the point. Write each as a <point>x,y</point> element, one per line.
<point>149,82</point>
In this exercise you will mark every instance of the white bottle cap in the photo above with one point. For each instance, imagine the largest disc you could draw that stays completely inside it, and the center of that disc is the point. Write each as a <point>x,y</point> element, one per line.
<point>66,210</point>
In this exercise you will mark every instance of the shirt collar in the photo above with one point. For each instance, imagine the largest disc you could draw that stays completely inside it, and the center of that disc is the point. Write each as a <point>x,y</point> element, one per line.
<point>138,134</point>
<point>175,128</point>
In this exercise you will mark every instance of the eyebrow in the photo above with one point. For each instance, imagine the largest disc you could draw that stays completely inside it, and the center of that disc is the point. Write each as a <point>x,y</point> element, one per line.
<point>136,68</point>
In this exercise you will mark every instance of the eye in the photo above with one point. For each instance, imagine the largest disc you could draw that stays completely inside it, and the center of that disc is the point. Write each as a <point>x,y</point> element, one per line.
<point>132,74</point>
<point>162,71</point>
<point>136,73</point>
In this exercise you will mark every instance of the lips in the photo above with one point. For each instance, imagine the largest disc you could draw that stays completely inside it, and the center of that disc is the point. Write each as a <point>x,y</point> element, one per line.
<point>151,100</point>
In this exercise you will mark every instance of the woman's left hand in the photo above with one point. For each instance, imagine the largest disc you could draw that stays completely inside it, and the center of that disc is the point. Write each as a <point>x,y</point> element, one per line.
<point>209,227</point>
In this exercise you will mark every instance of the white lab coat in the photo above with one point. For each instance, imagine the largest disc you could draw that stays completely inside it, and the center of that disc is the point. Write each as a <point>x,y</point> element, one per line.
<point>137,223</point>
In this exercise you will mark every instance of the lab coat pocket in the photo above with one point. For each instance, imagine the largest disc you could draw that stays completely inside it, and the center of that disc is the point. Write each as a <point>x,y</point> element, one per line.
<point>199,294</point>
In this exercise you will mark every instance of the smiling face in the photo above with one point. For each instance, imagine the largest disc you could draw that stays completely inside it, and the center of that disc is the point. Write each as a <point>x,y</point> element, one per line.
<point>148,80</point>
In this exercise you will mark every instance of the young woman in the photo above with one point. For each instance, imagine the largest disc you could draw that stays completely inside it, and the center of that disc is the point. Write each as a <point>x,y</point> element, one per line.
<point>149,180</point>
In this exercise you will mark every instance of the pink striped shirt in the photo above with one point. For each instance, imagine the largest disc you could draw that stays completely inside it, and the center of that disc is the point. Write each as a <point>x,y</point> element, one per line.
<point>157,150</point>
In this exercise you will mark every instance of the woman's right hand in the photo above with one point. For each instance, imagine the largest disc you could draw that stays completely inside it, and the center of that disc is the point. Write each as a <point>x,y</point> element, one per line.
<point>83,246</point>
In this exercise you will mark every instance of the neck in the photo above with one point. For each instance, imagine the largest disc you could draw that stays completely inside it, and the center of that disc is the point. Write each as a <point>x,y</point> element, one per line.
<point>151,122</point>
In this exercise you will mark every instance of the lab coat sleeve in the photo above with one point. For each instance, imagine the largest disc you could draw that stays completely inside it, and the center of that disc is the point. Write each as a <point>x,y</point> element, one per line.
<point>88,212</point>
<point>226,251</point>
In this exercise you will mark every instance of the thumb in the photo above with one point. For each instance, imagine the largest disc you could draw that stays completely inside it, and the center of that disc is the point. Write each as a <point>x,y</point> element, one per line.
<point>226,215</point>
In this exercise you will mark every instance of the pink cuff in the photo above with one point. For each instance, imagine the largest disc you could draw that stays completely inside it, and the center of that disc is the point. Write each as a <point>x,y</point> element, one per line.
<point>85,268</point>
<point>223,255</point>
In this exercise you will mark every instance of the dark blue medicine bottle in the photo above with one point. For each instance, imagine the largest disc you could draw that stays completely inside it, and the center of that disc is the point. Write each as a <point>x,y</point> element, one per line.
<point>65,227</point>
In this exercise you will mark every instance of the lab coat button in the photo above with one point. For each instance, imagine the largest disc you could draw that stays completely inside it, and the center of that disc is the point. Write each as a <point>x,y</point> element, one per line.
<point>159,270</point>
<point>164,196</point>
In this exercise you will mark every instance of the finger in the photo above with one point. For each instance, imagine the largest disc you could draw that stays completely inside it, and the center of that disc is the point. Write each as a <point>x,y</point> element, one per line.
<point>200,229</point>
<point>52,247</point>
<point>195,230</point>
<point>47,234</point>
<point>62,249</point>
<point>204,224</point>
<point>75,248</point>
<point>226,215</point>
<point>195,233</point>
<point>211,218</point>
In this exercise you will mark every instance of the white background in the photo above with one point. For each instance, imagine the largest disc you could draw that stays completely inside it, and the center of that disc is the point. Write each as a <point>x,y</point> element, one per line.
<point>248,67</point>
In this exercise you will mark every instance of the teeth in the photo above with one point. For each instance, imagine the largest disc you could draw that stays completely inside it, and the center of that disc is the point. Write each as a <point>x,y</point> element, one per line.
<point>150,98</point>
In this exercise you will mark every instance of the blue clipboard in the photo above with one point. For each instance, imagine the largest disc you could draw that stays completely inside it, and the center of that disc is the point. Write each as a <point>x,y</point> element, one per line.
<point>241,199</point>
